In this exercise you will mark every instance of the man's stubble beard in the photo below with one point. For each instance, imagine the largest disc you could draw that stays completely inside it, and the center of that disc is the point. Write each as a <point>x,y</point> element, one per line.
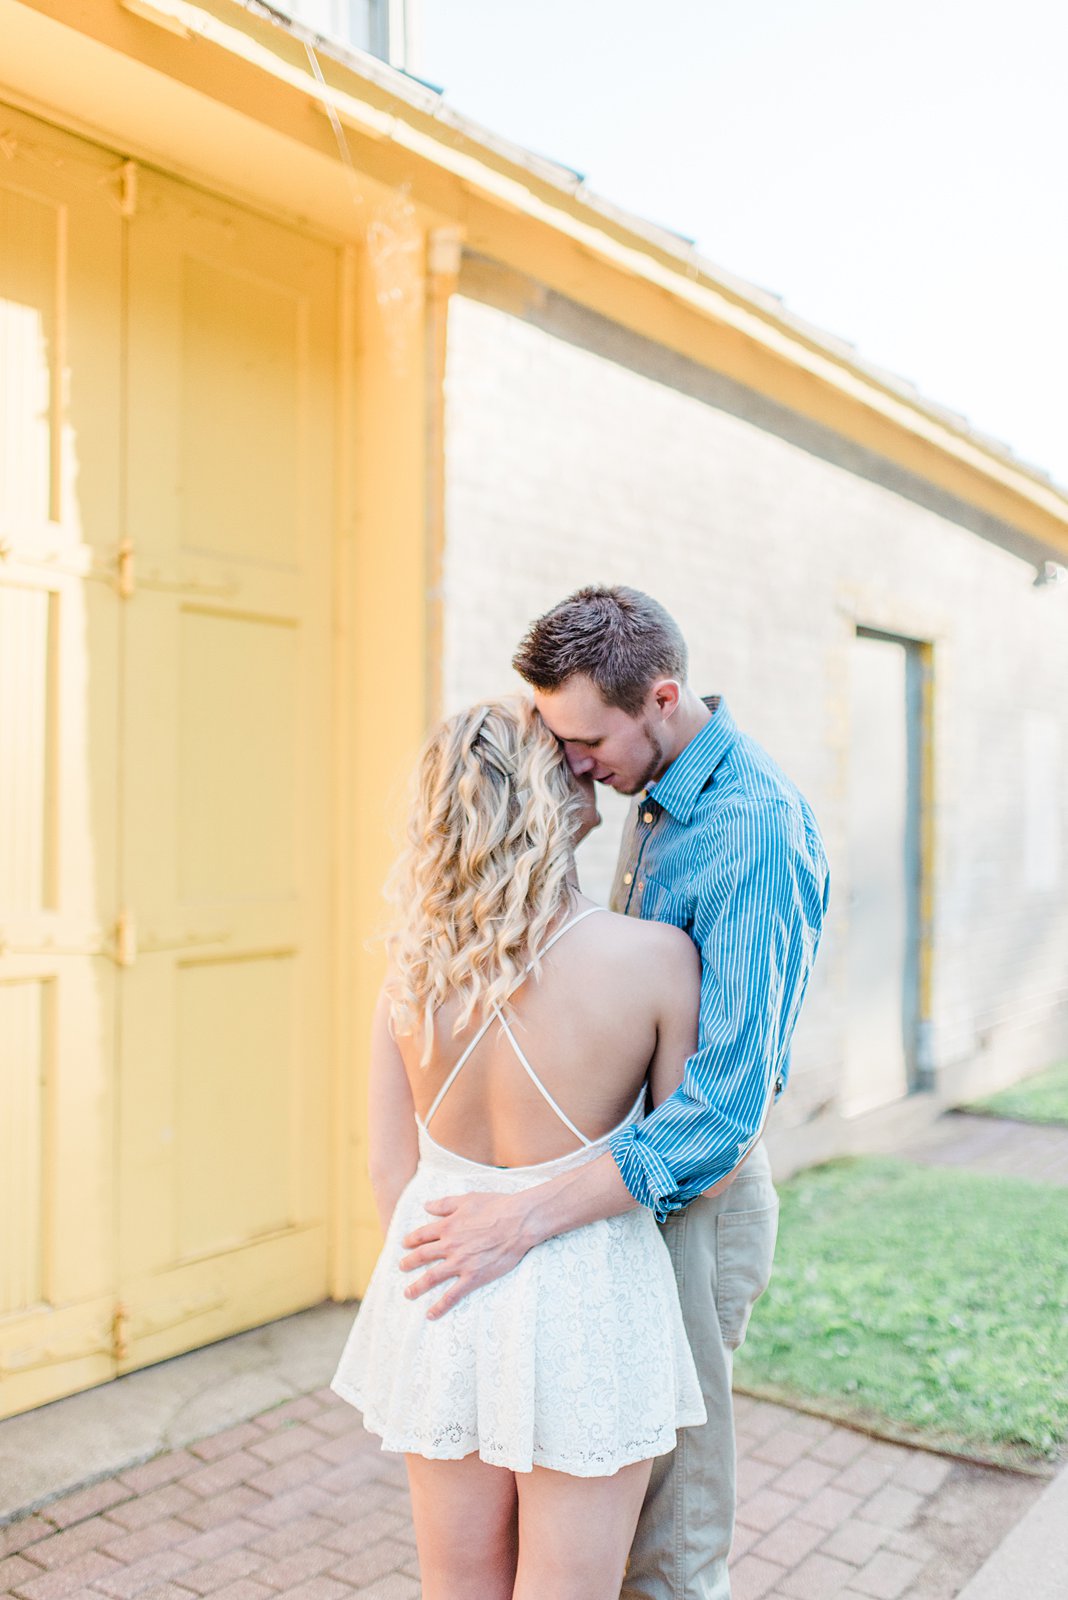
<point>656,764</point>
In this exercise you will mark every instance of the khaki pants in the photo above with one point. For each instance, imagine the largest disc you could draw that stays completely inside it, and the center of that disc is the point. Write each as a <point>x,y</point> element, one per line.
<point>721,1248</point>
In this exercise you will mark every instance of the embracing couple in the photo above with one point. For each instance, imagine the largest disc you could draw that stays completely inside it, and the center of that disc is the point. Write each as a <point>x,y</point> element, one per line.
<point>566,1113</point>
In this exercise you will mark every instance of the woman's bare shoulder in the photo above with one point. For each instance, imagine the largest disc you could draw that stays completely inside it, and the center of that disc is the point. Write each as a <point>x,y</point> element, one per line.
<point>658,943</point>
<point>659,965</point>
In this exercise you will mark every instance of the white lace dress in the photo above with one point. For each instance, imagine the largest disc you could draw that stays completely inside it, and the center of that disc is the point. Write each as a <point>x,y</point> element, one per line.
<point>575,1360</point>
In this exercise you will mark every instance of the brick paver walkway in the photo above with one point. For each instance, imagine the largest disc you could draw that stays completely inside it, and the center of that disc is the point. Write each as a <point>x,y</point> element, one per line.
<point>825,1513</point>
<point>301,1502</point>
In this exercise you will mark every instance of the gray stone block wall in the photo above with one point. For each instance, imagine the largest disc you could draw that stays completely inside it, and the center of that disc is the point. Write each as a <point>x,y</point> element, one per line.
<point>577,453</point>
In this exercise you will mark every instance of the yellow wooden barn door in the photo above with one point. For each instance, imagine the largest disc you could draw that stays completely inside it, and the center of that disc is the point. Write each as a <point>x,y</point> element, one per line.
<point>60,366</point>
<point>226,786</point>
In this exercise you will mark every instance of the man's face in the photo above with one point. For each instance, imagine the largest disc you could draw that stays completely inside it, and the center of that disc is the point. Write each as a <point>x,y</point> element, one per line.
<point>624,753</point>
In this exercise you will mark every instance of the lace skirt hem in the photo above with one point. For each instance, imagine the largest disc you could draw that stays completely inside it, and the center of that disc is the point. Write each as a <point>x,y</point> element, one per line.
<point>457,1444</point>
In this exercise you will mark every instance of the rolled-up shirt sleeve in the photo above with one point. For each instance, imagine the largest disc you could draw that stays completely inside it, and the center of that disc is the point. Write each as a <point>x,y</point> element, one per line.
<point>759,889</point>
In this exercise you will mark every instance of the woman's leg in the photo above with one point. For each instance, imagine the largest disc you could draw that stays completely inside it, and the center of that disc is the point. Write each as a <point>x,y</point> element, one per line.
<point>574,1533</point>
<point>465,1528</point>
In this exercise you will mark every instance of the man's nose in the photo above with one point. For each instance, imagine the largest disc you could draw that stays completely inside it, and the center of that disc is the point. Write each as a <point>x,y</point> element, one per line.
<point>579,762</point>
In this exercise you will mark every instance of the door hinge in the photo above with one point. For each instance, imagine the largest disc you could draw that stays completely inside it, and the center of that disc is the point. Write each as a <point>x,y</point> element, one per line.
<point>128,189</point>
<point>120,1331</point>
<point>125,938</point>
<point>126,568</point>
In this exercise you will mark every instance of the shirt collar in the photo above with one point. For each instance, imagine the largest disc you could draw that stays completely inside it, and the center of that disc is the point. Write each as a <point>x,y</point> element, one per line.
<point>678,789</point>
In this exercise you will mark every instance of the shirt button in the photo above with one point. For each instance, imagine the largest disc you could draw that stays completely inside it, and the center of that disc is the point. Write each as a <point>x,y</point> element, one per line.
<point>647,816</point>
<point>628,877</point>
<point>641,886</point>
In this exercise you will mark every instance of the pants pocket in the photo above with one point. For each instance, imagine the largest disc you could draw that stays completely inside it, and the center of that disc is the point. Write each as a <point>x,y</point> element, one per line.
<point>745,1248</point>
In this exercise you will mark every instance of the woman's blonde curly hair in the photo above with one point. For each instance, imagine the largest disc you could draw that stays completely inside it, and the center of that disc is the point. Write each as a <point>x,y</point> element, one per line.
<point>490,838</point>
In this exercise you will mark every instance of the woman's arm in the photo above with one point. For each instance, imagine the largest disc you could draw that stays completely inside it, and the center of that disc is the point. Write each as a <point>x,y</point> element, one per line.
<point>393,1141</point>
<point>679,994</point>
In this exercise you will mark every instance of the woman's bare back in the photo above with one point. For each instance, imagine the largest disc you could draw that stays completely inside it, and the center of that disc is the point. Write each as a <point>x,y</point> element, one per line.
<point>616,997</point>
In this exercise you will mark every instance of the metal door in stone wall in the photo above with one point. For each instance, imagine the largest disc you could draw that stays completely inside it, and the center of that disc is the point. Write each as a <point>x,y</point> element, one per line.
<point>883,868</point>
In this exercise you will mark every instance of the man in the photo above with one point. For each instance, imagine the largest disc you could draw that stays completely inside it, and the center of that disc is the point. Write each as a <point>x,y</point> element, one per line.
<point>722,844</point>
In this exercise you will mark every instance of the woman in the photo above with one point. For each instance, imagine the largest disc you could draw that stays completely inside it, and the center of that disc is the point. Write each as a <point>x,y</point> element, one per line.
<point>526,1029</point>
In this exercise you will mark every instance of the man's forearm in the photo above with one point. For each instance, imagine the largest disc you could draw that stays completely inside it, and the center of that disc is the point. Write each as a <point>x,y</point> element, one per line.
<point>586,1194</point>
<point>473,1238</point>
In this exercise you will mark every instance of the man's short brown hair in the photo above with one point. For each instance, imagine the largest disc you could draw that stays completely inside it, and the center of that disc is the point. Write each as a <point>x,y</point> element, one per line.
<point>620,638</point>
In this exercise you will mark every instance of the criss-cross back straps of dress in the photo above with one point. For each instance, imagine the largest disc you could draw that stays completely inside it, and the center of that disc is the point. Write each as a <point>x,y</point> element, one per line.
<point>524,1063</point>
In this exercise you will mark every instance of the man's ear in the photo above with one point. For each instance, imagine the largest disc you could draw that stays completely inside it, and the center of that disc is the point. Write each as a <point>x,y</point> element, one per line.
<point>666,694</point>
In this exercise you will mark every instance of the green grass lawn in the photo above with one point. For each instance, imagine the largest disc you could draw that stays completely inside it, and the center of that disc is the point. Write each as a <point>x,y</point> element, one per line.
<point>921,1301</point>
<point>1043,1098</point>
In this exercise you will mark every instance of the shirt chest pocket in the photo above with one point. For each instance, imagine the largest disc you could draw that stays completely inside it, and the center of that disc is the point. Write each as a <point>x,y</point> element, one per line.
<point>661,904</point>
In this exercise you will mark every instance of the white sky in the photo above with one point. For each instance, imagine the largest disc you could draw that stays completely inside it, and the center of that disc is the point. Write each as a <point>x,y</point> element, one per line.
<point>896,170</point>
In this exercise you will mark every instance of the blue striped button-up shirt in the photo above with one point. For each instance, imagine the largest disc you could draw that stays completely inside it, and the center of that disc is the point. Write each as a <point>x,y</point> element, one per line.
<point>725,846</point>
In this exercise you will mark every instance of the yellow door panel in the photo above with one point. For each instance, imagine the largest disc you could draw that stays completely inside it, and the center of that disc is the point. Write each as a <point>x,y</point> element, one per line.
<point>60,371</point>
<point>56,1176</point>
<point>245,364</point>
<point>227,783</point>
<point>60,342</point>
<point>26,1025</point>
<point>238,720</point>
